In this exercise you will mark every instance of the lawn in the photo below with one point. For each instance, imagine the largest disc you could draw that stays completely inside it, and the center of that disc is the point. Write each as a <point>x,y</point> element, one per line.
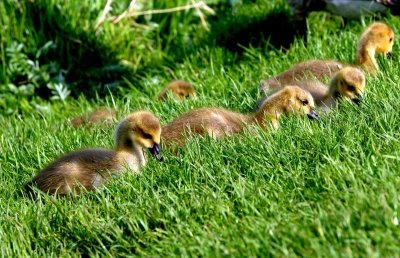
<point>310,189</point>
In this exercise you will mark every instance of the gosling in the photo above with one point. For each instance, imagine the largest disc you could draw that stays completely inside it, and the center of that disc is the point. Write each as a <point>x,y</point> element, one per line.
<point>105,116</point>
<point>218,122</point>
<point>90,168</point>
<point>180,90</point>
<point>378,38</point>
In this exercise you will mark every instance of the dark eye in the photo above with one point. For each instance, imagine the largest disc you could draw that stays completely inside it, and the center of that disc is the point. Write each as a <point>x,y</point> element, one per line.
<point>147,136</point>
<point>351,88</point>
<point>304,102</point>
<point>391,39</point>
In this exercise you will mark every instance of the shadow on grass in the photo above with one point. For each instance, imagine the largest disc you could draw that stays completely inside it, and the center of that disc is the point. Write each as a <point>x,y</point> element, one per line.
<point>91,67</point>
<point>237,30</point>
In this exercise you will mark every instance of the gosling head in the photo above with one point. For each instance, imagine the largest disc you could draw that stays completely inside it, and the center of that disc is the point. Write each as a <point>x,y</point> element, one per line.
<point>348,82</point>
<point>183,90</point>
<point>380,37</point>
<point>291,99</point>
<point>300,101</point>
<point>180,89</point>
<point>140,129</point>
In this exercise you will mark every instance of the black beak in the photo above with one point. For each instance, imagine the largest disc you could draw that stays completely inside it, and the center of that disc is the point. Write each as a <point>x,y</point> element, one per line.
<point>156,151</point>
<point>389,55</point>
<point>313,115</point>
<point>358,99</point>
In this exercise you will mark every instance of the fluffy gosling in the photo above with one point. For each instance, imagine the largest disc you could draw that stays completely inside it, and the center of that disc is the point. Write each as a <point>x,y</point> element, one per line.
<point>180,90</point>
<point>90,168</point>
<point>105,116</point>
<point>218,122</point>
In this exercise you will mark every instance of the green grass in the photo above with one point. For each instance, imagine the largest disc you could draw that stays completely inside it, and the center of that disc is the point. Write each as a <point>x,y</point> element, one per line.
<point>309,189</point>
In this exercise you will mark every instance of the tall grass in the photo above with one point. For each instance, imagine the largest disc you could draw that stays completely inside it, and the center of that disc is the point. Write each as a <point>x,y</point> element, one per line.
<point>326,189</point>
<point>83,60</point>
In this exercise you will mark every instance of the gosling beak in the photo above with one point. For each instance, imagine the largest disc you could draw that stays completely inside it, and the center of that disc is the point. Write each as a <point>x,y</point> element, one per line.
<point>358,99</point>
<point>313,115</point>
<point>156,151</point>
<point>389,55</point>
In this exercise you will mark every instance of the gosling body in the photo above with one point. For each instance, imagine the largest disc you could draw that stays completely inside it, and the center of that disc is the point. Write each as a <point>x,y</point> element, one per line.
<point>307,70</point>
<point>105,116</point>
<point>215,122</point>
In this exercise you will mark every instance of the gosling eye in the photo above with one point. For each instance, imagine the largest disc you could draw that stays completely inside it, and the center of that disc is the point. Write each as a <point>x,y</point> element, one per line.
<point>391,39</point>
<point>147,136</point>
<point>351,88</point>
<point>304,102</point>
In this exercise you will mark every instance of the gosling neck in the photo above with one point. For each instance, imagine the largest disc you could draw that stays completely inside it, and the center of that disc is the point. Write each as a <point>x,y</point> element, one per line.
<point>270,111</point>
<point>129,151</point>
<point>366,58</point>
<point>333,85</point>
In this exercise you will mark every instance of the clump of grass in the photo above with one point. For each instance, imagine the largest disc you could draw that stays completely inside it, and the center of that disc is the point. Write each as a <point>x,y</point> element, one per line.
<point>83,60</point>
<point>307,189</point>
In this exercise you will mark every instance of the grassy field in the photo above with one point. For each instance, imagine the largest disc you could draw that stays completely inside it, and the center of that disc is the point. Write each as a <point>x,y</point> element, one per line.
<point>327,189</point>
